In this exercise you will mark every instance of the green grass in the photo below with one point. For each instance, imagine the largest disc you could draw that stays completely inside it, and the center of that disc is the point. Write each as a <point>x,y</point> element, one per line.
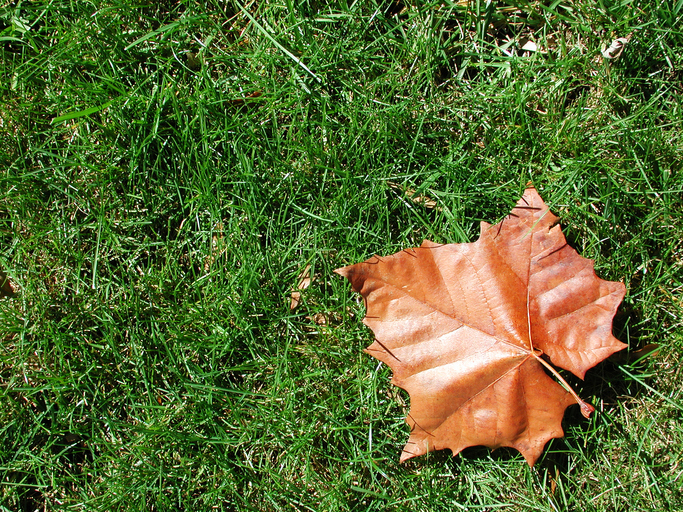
<point>168,170</point>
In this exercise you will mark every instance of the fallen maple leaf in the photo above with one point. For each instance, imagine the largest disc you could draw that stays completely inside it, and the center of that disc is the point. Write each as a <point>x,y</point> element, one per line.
<point>467,329</point>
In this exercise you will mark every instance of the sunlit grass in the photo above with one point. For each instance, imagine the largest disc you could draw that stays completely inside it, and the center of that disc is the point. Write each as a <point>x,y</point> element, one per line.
<point>169,170</point>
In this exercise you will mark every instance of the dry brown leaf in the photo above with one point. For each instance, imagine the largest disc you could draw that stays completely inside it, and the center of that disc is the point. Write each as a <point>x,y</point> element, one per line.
<point>468,330</point>
<point>7,287</point>
<point>319,318</point>
<point>304,281</point>
<point>615,50</point>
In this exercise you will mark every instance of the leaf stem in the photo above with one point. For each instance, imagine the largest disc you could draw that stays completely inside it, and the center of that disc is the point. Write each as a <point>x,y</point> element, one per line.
<point>586,408</point>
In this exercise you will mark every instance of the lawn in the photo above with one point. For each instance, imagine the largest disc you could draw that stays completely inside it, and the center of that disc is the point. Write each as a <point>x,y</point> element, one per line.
<point>171,172</point>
